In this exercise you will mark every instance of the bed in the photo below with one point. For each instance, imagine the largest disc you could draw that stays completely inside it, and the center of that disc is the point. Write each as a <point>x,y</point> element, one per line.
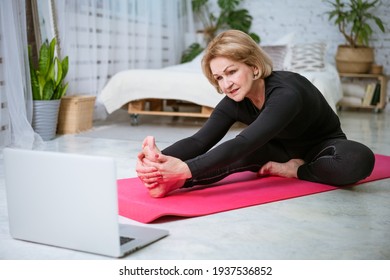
<point>182,90</point>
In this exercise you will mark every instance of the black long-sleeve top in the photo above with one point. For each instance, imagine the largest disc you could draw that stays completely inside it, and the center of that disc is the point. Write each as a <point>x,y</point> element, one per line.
<point>295,114</point>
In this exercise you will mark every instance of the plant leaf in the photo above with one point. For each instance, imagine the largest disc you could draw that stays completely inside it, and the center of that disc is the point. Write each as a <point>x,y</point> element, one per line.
<point>60,92</point>
<point>379,22</point>
<point>58,79</point>
<point>65,65</point>
<point>228,5</point>
<point>63,90</point>
<point>191,52</point>
<point>197,5</point>
<point>255,37</point>
<point>240,19</point>
<point>53,43</point>
<point>44,59</point>
<point>48,90</point>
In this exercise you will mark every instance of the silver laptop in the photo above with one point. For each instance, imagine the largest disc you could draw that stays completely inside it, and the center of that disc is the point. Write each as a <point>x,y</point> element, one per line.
<point>69,201</point>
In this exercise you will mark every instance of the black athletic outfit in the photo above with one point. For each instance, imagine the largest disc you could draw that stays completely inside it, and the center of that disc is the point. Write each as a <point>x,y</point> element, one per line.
<point>295,122</point>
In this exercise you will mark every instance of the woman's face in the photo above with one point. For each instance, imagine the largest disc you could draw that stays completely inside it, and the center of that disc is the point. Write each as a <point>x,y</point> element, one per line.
<point>234,78</point>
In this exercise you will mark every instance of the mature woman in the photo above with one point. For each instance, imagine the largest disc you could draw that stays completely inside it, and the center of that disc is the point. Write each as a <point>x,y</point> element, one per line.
<point>291,130</point>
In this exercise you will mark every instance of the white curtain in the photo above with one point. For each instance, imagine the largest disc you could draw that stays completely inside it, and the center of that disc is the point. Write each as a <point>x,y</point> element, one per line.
<point>15,91</point>
<point>103,37</point>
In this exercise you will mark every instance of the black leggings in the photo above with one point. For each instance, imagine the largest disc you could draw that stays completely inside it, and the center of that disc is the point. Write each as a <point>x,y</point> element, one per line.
<point>337,162</point>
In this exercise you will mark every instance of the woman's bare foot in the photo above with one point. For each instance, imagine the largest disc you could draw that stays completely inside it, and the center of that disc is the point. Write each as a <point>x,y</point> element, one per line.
<point>157,187</point>
<point>150,149</point>
<point>287,169</point>
<point>161,190</point>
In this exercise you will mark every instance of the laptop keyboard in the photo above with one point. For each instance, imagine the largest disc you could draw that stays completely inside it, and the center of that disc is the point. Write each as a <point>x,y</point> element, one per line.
<point>124,240</point>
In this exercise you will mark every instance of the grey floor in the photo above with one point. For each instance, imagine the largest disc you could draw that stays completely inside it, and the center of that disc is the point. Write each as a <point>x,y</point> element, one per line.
<point>343,224</point>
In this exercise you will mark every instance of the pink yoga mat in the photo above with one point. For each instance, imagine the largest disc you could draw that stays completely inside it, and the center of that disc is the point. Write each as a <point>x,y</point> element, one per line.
<point>236,191</point>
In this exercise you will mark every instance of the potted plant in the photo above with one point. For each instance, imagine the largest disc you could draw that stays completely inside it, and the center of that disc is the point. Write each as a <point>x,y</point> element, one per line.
<point>47,89</point>
<point>354,19</point>
<point>229,18</point>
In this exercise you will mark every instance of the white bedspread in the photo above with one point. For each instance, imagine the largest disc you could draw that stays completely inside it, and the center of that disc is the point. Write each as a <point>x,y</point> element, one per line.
<point>328,83</point>
<point>180,82</point>
<point>186,82</point>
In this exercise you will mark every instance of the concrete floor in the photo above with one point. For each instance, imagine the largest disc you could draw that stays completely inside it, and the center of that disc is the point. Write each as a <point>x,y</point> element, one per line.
<point>341,224</point>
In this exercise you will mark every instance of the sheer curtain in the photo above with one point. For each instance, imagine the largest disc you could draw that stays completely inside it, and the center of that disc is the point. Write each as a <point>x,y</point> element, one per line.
<point>15,92</point>
<point>104,37</point>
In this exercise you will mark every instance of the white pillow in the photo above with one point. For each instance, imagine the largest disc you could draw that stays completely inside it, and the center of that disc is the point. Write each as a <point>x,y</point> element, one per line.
<point>287,41</point>
<point>308,57</point>
<point>277,53</point>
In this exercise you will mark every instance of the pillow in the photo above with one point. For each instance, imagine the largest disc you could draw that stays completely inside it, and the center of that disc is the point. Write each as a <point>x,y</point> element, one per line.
<point>277,54</point>
<point>307,57</point>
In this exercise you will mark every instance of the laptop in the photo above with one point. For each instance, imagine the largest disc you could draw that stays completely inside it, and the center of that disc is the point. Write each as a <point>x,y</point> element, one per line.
<point>70,201</point>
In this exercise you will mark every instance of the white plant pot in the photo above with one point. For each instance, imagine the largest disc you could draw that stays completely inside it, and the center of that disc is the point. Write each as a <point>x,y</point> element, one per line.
<point>45,118</point>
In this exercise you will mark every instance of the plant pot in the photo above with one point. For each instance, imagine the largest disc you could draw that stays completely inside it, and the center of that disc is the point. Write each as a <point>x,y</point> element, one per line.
<point>45,118</point>
<point>354,60</point>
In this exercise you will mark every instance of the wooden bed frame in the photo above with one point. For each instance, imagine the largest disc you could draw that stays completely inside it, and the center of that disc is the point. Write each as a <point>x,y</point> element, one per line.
<point>160,107</point>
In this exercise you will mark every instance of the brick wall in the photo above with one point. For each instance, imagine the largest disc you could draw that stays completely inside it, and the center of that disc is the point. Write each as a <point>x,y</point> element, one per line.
<point>307,18</point>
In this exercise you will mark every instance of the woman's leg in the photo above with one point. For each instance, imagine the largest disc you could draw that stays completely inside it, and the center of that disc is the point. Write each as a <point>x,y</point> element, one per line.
<point>338,162</point>
<point>271,151</point>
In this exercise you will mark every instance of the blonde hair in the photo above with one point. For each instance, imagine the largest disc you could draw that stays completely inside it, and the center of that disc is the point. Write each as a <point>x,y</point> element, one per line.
<point>237,46</point>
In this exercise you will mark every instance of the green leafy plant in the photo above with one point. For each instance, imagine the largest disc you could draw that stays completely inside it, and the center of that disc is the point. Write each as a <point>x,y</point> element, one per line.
<point>229,18</point>
<point>353,18</point>
<point>47,78</point>
<point>191,52</point>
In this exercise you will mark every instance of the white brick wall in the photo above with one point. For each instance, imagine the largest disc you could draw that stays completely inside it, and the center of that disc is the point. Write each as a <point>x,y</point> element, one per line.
<point>307,18</point>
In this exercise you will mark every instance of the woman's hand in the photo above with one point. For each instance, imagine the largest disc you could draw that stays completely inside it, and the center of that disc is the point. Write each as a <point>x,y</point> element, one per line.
<point>160,174</point>
<point>145,172</point>
<point>168,168</point>
<point>171,174</point>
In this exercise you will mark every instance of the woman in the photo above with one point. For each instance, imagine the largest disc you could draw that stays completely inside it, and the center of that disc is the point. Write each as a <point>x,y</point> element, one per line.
<point>291,129</point>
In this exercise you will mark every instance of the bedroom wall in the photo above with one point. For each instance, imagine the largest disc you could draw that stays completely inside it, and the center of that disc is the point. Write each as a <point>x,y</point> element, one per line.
<point>307,18</point>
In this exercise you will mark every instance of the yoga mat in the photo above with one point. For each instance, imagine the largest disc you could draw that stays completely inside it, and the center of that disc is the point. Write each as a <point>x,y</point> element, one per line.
<point>236,191</point>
